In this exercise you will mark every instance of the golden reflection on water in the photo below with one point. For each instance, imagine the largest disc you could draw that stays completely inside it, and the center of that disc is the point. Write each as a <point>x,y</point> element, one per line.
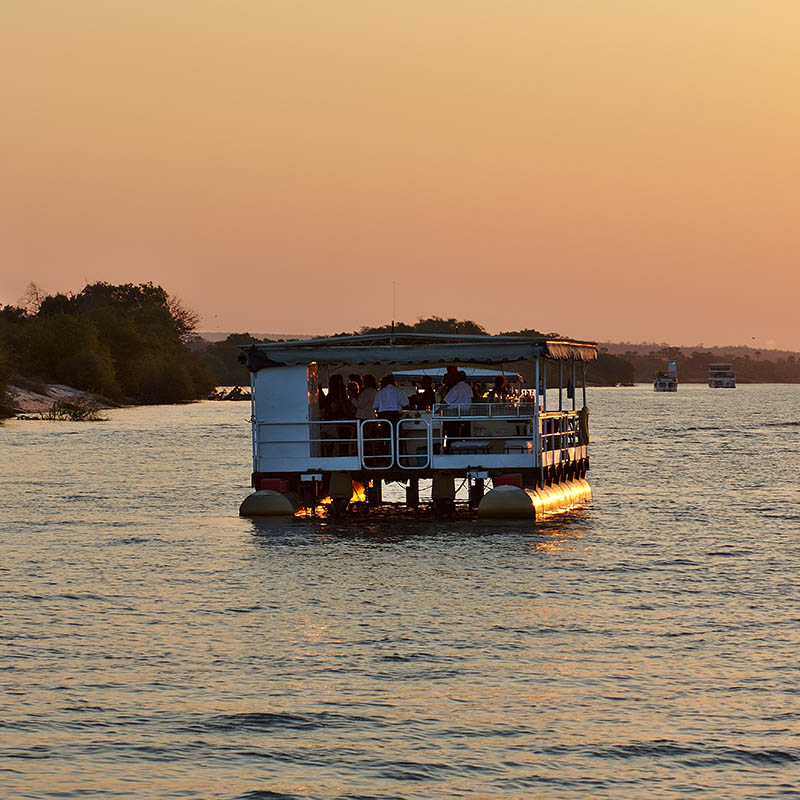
<point>547,546</point>
<point>313,631</point>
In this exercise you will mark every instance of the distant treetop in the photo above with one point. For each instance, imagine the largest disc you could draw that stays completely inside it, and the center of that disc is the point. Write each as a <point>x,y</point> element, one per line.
<point>430,325</point>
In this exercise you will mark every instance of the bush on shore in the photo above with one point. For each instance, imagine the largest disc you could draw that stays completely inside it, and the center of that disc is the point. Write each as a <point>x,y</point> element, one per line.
<point>5,406</point>
<point>125,342</point>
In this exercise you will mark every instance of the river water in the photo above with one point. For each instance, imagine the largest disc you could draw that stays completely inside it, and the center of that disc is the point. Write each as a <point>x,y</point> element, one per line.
<point>155,645</point>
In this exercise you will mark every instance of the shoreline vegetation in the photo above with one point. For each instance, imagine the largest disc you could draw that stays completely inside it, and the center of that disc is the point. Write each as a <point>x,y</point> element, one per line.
<point>617,364</point>
<point>122,344</point>
<point>68,356</point>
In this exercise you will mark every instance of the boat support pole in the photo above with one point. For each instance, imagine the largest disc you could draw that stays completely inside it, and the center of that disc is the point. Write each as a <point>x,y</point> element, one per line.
<point>573,384</point>
<point>412,493</point>
<point>583,381</point>
<point>538,432</point>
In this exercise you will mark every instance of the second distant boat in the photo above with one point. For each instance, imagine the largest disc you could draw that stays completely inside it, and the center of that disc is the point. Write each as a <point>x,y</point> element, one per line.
<point>721,376</point>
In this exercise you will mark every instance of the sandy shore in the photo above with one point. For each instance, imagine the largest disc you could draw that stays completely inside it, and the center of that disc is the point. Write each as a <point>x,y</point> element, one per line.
<point>25,401</point>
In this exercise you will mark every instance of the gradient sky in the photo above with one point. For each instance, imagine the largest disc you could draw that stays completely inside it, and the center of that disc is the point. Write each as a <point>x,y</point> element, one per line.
<point>608,169</point>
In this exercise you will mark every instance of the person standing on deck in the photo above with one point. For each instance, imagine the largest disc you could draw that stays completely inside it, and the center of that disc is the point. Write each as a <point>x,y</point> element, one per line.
<point>366,398</point>
<point>424,400</point>
<point>449,380</point>
<point>390,401</point>
<point>460,395</point>
<point>501,391</point>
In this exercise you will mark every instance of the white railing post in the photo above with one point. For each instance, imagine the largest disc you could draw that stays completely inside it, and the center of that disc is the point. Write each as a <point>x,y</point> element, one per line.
<point>544,385</point>
<point>400,440</point>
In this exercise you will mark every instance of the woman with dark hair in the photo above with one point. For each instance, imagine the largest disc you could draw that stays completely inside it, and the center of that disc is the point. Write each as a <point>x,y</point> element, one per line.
<point>338,407</point>
<point>501,390</point>
<point>337,398</point>
<point>366,398</point>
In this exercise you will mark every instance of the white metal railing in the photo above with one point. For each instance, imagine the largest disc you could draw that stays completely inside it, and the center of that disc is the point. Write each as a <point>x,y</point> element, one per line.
<point>314,439</point>
<point>376,444</point>
<point>560,430</point>
<point>481,428</point>
<point>414,442</point>
<point>484,410</point>
<point>415,447</point>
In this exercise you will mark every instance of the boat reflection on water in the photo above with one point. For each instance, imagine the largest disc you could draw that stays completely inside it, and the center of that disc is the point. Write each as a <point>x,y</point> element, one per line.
<point>557,531</point>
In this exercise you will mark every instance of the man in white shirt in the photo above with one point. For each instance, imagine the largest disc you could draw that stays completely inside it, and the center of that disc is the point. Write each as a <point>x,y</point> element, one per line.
<point>390,401</point>
<point>460,395</point>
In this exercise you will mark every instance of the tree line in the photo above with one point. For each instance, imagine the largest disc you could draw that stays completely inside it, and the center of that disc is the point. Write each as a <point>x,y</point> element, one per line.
<point>693,366</point>
<point>136,343</point>
<point>223,357</point>
<point>610,369</point>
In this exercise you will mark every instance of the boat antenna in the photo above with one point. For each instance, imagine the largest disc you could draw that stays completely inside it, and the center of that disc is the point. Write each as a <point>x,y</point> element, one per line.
<point>394,308</point>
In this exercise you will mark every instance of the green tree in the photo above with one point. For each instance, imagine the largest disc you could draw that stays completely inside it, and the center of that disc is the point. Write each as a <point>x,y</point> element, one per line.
<point>431,325</point>
<point>610,370</point>
<point>68,349</point>
<point>146,330</point>
<point>5,406</point>
<point>524,332</point>
<point>222,359</point>
<point>126,341</point>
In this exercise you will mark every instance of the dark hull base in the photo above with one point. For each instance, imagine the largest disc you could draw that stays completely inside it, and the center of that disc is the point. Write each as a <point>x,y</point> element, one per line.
<point>522,494</point>
<point>531,478</point>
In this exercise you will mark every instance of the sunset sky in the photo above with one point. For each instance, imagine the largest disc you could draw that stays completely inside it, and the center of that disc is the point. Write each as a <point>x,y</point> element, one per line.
<point>608,169</point>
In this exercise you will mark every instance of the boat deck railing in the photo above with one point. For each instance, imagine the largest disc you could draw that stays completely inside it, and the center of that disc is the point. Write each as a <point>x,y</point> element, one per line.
<point>475,434</point>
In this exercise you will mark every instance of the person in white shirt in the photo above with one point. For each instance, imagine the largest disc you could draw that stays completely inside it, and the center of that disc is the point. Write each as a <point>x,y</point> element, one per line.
<point>460,395</point>
<point>390,401</point>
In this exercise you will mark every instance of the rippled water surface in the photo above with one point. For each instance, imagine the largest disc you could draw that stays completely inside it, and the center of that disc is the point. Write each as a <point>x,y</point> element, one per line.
<point>155,645</point>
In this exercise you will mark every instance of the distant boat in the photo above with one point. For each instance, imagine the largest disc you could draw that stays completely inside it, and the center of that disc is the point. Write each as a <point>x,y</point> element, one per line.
<point>667,381</point>
<point>721,376</point>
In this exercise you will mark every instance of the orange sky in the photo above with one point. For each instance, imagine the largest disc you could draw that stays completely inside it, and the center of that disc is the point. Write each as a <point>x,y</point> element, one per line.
<point>607,169</point>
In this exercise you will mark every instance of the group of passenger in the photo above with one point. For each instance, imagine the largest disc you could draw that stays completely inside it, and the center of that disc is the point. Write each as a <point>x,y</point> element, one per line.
<point>361,398</point>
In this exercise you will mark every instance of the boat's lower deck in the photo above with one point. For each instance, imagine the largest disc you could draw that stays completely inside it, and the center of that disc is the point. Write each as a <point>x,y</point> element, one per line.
<point>343,492</point>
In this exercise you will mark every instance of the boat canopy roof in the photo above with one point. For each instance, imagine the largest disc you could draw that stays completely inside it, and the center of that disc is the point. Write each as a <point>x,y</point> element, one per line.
<point>437,373</point>
<point>415,348</point>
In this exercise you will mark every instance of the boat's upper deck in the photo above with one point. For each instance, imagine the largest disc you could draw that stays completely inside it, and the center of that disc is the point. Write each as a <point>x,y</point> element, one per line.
<point>291,432</point>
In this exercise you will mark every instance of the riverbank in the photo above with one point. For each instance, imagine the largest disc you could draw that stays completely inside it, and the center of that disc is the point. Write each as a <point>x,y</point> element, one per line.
<point>27,400</point>
<point>40,399</point>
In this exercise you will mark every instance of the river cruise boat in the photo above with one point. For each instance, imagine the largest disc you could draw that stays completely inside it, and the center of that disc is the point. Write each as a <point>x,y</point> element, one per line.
<point>667,381</point>
<point>530,448</point>
<point>721,376</point>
